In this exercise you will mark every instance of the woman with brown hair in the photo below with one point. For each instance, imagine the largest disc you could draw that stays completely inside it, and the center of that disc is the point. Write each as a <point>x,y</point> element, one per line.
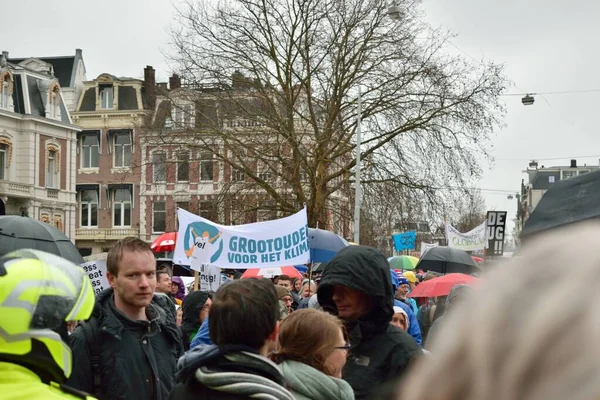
<point>311,353</point>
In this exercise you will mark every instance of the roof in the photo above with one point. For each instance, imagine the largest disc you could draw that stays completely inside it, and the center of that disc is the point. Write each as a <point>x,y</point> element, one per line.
<point>29,93</point>
<point>568,201</point>
<point>65,67</point>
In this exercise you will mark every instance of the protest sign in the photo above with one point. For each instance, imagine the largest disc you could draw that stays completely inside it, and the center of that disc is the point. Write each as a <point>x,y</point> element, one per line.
<point>427,246</point>
<point>405,241</point>
<point>96,271</point>
<point>495,229</point>
<point>266,244</point>
<point>470,241</point>
<point>210,277</point>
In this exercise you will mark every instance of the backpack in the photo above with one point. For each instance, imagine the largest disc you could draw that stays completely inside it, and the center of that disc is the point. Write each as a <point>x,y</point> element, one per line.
<point>90,333</point>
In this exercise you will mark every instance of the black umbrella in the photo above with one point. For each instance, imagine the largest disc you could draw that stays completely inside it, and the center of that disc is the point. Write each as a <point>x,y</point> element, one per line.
<point>447,260</point>
<point>17,232</point>
<point>566,202</point>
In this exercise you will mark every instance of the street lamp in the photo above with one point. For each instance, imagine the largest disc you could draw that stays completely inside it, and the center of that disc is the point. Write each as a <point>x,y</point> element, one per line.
<point>528,100</point>
<point>396,12</point>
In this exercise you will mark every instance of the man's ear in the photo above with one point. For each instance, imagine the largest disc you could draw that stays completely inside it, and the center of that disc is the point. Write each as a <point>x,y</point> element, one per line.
<point>112,280</point>
<point>275,334</point>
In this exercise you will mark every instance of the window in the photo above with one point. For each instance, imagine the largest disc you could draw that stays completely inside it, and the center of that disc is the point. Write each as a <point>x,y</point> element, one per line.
<point>159,166</point>
<point>206,166</point>
<point>265,174</point>
<point>159,217</point>
<point>569,174</point>
<point>183,167</point>
<point>5,95</point>
<point>89,151</point>
<point>89,208</point>
<point>303,176</point>
<point>207,210</point>
<point>238,176</point>
<point>106,96</point>
<point>52,173</point>
<point>3,160</point>
<point>551,179</point>
<point>122,207</point>
<point>122,146</point>
<point>184,116</point>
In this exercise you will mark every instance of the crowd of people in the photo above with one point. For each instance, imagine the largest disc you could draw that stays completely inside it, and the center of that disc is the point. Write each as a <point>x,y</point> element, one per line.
<point>350,332</point>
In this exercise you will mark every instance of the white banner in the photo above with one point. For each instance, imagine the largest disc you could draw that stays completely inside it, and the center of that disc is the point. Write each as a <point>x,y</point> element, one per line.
<point>427,246</point>
<point>276,243</point>
<point>470,241</point>
<point>96,271</point>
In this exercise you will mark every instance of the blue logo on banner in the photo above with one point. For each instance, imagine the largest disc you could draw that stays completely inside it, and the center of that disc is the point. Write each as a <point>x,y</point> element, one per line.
<point>201,235</point>
<point>405,241</point>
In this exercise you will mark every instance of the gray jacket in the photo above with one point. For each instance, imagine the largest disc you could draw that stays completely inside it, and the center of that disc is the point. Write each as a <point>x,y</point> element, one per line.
<point>307,383</point>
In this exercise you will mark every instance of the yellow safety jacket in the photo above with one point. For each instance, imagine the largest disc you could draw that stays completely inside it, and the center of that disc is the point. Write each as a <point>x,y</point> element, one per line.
<point>20,383</point>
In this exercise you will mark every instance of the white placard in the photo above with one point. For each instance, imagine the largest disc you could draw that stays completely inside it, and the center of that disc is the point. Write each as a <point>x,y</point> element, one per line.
<point>470,241</point>
<point>96,271</point>
<point>276,243</point>
<point>427,246</point>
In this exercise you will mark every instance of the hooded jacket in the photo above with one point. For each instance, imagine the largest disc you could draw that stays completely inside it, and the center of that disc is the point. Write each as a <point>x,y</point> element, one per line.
<point>228,372</point>
<point>414,329</point>
<point>380,352</point>
<point>308,383</point>
<point>137,358</point>
<point>192,306</point>
<point>180,295</point>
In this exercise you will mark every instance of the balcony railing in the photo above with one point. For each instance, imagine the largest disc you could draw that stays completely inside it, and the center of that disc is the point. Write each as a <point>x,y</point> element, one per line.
<point>15,189</point>
<point>104,234</point>
<point>52,193</point>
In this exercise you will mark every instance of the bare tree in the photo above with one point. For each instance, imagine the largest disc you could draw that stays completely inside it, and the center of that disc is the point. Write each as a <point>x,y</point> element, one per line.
<point>278,82</point>
<point>469,211</point>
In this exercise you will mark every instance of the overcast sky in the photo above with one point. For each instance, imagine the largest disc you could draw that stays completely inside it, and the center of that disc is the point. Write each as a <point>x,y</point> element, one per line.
<point>546,46</point>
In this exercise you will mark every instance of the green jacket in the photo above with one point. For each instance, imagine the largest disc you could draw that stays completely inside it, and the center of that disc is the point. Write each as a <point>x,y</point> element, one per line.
<point>19,383</point>
<point>307,383</point>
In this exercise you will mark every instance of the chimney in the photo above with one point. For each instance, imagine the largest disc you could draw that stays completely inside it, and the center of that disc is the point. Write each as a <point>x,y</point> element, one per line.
<point>150,87</point>
<point>78,52</point>
<point>4,58</point>
<point>175,82</point>
<point>573,163</point>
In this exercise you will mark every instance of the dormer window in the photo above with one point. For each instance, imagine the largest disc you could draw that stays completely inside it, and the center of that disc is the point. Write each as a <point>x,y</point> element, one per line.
<point>106,93</point>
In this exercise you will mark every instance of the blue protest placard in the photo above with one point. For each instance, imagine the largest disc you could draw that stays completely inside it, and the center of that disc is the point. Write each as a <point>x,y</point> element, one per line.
<point>405,241</point>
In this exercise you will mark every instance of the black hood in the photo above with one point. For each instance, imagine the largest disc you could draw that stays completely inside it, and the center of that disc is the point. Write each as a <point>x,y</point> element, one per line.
<point>365,269</point>
<point>192,305</point>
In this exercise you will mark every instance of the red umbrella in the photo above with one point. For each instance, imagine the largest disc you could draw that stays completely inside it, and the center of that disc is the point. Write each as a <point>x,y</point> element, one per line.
<point>477,259</point>
<point>165,242</point>
<point>442,286</point>
<point>271,272</point>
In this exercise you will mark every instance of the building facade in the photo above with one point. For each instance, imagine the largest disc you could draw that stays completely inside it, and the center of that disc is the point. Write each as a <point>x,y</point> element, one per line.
<point>108,162</point>
<point>37,144</point>
<point>196,170</point>
<point>539,181</point>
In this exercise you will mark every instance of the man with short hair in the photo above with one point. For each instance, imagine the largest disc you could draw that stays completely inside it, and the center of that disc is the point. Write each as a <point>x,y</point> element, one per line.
<point>163,282</point>
<point>356,286</point>
<point>129,347</point>
<point>285,281</point>
<point>244,327</point>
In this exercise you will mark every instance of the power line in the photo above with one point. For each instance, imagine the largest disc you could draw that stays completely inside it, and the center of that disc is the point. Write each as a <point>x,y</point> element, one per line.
<point>552,93</point>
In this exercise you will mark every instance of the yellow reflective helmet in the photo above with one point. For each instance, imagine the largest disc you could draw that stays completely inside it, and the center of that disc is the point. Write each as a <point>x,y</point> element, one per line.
<point>39,293</point>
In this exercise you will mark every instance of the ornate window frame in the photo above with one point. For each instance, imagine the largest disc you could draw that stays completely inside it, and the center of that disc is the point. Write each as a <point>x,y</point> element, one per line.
<point>8,142</point>
<point>54,100</point>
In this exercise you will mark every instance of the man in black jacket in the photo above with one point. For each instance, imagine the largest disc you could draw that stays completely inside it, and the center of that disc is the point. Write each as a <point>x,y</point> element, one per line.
<point>356,286</point>
<point>244,327</point>
<point>129,347</point>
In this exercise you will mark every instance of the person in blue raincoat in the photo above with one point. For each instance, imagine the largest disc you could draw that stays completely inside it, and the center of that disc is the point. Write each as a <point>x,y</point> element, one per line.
<point>413,329</point>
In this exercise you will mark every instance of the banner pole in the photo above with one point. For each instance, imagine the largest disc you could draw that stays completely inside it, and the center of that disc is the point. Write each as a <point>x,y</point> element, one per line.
<point>196,280</point>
